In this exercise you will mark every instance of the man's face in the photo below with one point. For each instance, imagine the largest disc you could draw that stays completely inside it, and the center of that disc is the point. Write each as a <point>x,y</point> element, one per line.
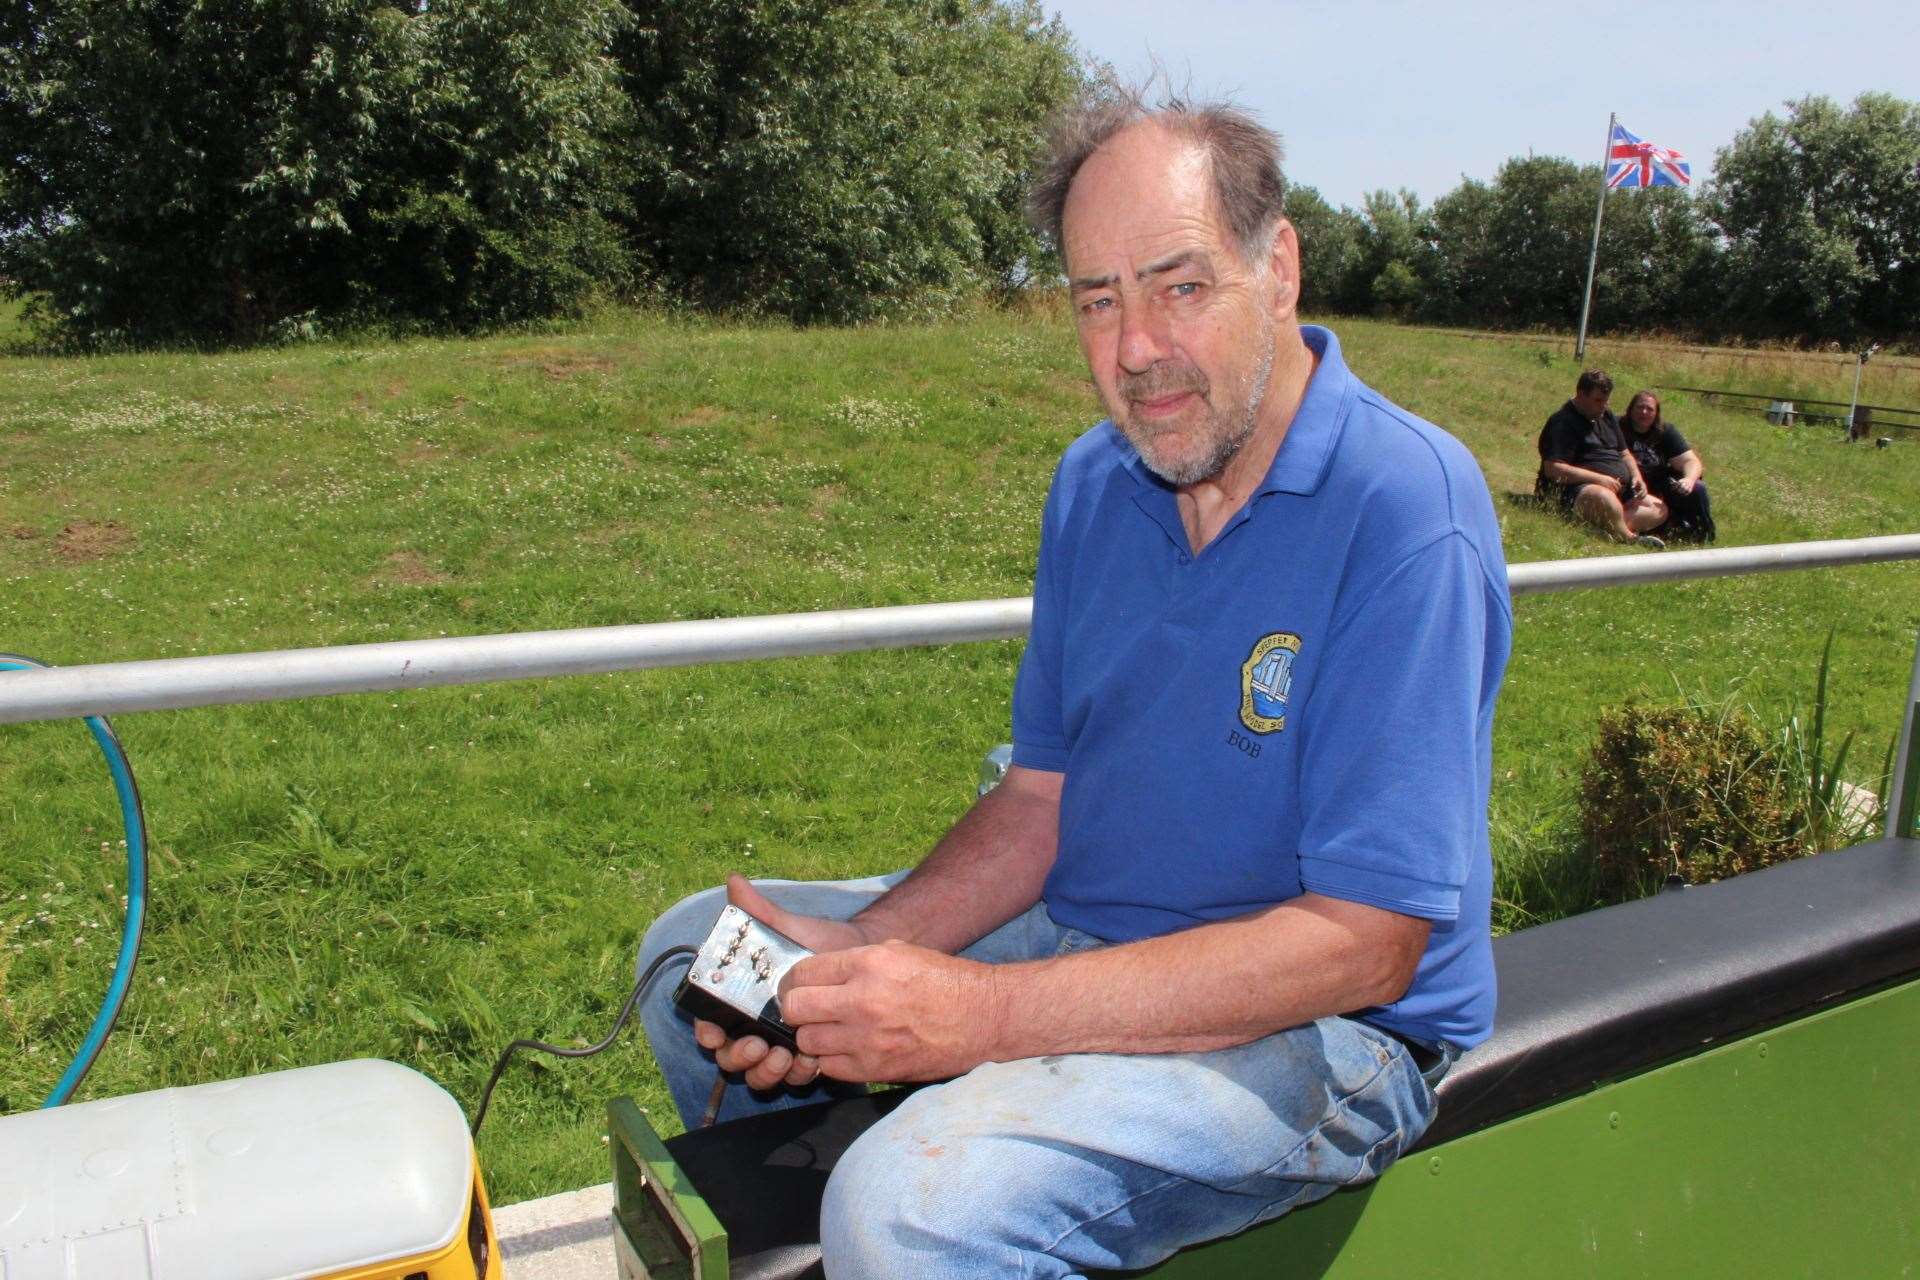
<point>1177,328</point>
<point>1592,403</point>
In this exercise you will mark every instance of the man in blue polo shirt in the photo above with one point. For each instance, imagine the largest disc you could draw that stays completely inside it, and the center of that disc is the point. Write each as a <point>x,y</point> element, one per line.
<point>1203,954</point>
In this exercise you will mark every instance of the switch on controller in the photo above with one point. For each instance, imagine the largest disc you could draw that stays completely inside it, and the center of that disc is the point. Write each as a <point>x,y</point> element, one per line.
<point>735,979</point>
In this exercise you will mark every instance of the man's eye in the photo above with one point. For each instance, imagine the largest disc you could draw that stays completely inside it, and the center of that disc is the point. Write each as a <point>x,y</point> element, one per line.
<point>1093,306</point>
<point>1186,288</point>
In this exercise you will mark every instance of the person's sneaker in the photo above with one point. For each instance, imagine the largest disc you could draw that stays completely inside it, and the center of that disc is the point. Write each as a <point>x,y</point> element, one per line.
<point>1649,541</point>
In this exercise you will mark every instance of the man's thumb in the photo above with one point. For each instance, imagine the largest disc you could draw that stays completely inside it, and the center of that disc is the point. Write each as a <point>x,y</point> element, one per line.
<point>742,894</point>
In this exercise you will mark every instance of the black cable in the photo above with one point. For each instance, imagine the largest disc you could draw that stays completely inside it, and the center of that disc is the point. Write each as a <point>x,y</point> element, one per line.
<point>626,1011</point>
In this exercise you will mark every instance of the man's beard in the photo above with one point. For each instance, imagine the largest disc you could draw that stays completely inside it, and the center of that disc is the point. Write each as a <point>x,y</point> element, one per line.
<point>1221,433</point>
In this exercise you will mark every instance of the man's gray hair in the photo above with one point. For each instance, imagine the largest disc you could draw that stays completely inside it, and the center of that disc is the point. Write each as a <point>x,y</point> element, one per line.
<point>1243,159</point>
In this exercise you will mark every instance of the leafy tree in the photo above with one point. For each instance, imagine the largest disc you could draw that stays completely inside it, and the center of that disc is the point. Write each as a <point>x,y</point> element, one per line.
<point>1515,250</point>
<point>1472,274</point>
<point>228,169</point>
<point>1392,229</point>
<point>505,199</point>
<point>839,159</point>
<point>1329,246</point>
<point>1821,216</point>
<point>1396,290</point>
<point>1658,264</point>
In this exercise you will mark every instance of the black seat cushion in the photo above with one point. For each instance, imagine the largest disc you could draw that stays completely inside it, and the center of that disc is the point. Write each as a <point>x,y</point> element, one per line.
<point>1582,1001</point>
<point>1599,996</point>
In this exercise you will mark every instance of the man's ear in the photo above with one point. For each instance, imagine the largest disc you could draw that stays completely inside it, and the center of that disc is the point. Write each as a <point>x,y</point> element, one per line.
<point>1283,261</point>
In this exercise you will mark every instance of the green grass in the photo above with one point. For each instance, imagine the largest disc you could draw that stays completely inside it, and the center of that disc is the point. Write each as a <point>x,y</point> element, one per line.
<point>425,876</point>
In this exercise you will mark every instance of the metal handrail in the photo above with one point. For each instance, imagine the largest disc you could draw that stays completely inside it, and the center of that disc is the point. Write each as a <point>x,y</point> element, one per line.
<point>115,688</point>
<point>1790,399</point>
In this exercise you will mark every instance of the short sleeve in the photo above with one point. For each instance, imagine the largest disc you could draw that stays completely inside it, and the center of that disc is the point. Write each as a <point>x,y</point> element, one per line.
<point>1393,785</point>
<point>1561,439</point>
<point>1672,443</point>
<point>1039,722</point>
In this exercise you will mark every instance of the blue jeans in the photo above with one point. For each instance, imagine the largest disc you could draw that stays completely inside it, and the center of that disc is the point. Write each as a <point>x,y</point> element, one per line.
<point>1050,1167</point>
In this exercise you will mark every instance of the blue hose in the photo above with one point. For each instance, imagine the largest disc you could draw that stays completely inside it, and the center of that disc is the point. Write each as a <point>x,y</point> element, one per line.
<point>136,824</point>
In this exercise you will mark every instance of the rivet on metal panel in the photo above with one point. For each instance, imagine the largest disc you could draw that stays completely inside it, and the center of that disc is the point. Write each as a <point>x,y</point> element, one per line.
<point>1763,1048</point>
<point>1613,1119</point>
<point>1433,1166</point>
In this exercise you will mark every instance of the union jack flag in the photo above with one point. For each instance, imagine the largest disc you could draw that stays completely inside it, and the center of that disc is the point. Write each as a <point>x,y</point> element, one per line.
<point>1632,162</point>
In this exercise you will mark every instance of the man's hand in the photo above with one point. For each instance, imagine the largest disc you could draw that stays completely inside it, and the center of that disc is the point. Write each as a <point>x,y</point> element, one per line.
<point>891,1012</point>
<point>987,870</point>
<point>1683,483</point>
<point>766,1065</point>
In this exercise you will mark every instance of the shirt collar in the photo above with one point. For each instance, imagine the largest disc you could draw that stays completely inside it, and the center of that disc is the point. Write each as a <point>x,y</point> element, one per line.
<point>1301,463</point>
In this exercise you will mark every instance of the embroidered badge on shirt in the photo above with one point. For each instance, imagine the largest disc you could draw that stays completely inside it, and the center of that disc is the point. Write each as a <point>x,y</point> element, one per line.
<point>1265,678</point>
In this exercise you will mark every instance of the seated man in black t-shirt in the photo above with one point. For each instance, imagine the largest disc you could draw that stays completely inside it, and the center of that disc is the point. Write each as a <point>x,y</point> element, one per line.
<point>1584,453</point>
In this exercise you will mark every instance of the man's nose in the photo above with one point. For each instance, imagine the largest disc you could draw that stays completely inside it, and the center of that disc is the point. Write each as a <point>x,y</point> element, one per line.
<point>1143,338</point>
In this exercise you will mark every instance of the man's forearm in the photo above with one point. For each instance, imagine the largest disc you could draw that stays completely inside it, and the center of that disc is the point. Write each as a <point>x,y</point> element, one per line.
<point>1566,473</point>
<point>1209,987</point>
<point>988,869</point>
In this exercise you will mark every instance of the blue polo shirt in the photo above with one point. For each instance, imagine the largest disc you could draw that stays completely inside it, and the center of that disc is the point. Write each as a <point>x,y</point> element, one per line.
<point>1306,705</point>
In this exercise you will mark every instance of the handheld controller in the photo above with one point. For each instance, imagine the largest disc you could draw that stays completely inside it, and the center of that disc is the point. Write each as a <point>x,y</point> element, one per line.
<point>735,978</point>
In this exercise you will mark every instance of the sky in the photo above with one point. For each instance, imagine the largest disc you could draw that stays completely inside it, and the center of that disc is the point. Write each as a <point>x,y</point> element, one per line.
<point>1374,94</point>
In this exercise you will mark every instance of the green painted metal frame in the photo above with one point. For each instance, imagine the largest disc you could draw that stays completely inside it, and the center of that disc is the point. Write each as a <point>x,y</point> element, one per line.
<point>663,1230</point>
<point>1795,1152</point>
<point>1791,1153</point>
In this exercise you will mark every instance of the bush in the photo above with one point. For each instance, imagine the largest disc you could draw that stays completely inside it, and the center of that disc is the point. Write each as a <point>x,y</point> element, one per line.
<point>1688,788</point>
<point>1701,790</point>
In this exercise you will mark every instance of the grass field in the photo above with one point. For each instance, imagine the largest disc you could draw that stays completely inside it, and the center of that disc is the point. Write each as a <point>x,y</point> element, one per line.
<point>425,876</point>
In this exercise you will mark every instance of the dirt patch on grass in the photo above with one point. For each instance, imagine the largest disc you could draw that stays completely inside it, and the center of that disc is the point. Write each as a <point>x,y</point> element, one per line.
<point>1074,383</point>
<point>84,541</point>
<point>824,499</point>
<point>698,416</point>
<point>22,532</point>
<point>419,452</point>
<point>607,533</point>
<point>409,569</point>
<point>573,366</point>
<point>557,363</point>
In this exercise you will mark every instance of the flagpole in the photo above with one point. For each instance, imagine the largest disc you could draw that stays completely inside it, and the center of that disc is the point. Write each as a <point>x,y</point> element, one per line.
<point>1593,254</point>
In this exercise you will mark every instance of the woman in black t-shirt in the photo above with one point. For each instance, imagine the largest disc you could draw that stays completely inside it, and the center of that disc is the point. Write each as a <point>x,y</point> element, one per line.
<point>1670,467</point>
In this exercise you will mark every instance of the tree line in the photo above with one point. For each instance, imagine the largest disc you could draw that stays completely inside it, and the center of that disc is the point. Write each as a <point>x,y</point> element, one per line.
<point>215,171</point>
<point>232,170</point>
<point>1809,230</point>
